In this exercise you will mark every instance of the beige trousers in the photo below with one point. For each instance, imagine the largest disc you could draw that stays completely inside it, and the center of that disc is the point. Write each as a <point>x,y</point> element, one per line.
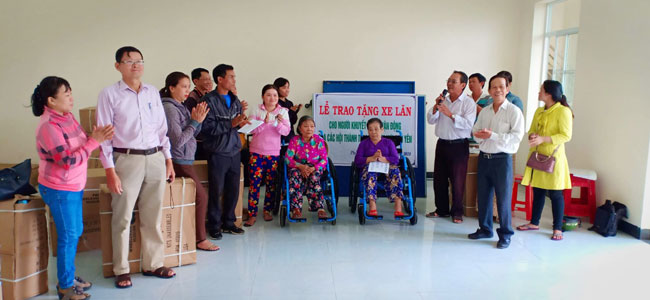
<point>143,179</point>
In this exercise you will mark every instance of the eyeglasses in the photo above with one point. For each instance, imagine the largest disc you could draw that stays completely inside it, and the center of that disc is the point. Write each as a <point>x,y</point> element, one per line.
<point>131,62</point>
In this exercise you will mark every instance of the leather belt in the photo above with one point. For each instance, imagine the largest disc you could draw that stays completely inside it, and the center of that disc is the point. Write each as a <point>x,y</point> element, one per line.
<point>138,151</point>
<point>494,155</point>
<point>457,141</point>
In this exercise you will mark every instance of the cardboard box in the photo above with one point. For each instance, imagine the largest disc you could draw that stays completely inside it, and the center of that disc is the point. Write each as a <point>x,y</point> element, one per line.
<point>23,248</point>
<point>91,237</point>
<point>93,160</point>
<point>177,226</point>
<point>201,169</point>
<point>470,208</point>
<point>88,118</point>
<point>33,177</point>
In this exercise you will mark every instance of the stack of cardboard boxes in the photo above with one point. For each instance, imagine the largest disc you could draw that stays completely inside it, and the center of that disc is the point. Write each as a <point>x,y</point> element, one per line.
<point>90,238</point>
<point>23,247</point>
<point>177,226</point>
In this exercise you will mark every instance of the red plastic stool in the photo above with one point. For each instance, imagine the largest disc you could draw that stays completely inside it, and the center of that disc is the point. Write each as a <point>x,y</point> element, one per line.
<point>525,206</point>
<point>585,205</point>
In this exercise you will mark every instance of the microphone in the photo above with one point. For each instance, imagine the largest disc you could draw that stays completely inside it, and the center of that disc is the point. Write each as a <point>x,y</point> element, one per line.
<point>444,93</point>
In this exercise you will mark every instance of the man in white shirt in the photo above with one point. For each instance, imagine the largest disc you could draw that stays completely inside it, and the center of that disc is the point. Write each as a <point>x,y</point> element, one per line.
<point>453,115</point>
<point>498,130</point>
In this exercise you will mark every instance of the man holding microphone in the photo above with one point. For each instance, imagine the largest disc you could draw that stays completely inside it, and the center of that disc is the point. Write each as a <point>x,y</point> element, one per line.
<point>453,115</point>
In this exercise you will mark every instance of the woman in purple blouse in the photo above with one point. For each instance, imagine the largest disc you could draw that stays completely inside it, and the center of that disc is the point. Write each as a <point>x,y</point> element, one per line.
<point>379,149</point>
<point>306,159</point>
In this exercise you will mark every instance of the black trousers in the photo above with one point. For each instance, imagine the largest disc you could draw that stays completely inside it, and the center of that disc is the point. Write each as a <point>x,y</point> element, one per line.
<point>450,166</point>
<point>223,181</point>
<point>495,177</point>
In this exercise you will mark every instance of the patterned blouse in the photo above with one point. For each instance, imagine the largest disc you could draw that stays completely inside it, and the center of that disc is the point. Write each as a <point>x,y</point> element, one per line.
<point>313,153</point>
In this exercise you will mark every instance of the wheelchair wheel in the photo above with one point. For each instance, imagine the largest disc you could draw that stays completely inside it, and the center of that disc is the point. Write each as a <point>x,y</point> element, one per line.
<point>283,215</point>
<point>352,198</point>
<point>333,222</point>
<point>335,179</point>
<point>362,217</point>
<point>279,189</point>
<point>411,174</point>
<point>414,219</point>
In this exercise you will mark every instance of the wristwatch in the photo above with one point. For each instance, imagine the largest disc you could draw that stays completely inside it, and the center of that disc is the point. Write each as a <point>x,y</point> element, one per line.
<point>453,117</point>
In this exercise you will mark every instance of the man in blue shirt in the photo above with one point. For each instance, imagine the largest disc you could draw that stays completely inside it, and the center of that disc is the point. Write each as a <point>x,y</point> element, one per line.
<point>514,99</point>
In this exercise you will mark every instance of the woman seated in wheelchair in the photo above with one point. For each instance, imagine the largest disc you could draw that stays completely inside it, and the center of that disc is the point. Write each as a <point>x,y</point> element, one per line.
<point>306,160</point>
<point>379,149</point>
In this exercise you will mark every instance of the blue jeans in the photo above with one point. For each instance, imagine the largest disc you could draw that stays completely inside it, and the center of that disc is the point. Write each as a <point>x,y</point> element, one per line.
<point>495,177</point>
<point>66,211</point>
<point>557,200</point>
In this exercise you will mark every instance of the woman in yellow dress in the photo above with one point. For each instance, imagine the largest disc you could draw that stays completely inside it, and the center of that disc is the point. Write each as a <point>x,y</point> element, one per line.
<point>551,127</point>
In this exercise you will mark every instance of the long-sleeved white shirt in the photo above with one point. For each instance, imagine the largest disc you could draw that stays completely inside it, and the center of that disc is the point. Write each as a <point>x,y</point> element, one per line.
<point>507,126</point>
<point>464,112</point>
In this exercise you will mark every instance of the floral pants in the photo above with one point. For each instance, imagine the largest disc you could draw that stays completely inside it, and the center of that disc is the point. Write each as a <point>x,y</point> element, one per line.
<point>263,169</point>
<point>393,184</point>
<point>309,186</point>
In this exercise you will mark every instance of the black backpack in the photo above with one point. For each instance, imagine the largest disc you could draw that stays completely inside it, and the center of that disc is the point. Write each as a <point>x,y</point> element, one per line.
<point>607,217</point>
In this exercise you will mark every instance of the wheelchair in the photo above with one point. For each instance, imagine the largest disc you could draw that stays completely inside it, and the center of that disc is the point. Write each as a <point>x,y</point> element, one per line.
<point>357,189</point>
<point>328,182</point>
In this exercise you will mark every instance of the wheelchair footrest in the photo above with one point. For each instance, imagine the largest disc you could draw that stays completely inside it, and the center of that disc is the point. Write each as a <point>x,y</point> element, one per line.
<point>323,220</point>
<point>299,220</point>
<point>406,217</point>
<point>378,217</point>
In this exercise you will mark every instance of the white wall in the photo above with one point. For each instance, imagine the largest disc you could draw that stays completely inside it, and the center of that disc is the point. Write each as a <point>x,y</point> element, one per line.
<point>611,132</point>
<point>304,41</point>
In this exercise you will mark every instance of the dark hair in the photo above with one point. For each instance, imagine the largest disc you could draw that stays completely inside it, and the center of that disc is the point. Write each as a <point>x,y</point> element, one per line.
<point>172,80</point>
<point>196,73</point>
<point>495,77</point>
<point>303,119</point>
<point>268,87</point>
<point>375,120</point>
<point>48,87</point>
<point>478,76</point>
<point>126,49</point>
<point>280,82</point>
<point>507,75</point>
<point>463,77</point>
<point>554,88</point>
<point>220,71</point>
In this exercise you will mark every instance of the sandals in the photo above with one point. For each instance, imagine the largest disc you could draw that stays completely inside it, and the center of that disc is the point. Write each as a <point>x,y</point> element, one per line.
<point>527,227</point>
<point>557,236</point>
<point>372,213</point>
<point>123,281</point>
<point>399,214</point>
<point>296,214</point>
<point>210,246</point>
<point>250,222</point>
<point>162,272</point>
<point>322,214</point>
<point>435,214</point>
<point>80,282</point>
<point>72,293</point>
<point>457,220</point>
<point>267,216</point>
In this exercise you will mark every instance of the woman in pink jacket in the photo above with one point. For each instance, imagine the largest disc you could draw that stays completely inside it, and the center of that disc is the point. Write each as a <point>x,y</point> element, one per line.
<point>265,151</point>
<point>64,148</point>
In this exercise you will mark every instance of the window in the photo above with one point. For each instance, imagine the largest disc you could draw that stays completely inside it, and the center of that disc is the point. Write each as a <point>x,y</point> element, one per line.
<point>560,44</point>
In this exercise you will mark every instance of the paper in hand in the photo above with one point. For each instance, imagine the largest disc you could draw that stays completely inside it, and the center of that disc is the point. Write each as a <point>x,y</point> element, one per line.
<point>250,127</point>
<point>378,167</point>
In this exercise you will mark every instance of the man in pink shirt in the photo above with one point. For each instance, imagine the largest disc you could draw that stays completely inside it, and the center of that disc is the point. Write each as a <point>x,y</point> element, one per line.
<point>137,163</point>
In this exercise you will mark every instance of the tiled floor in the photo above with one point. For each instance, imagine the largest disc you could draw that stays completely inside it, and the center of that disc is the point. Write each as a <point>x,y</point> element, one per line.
<point>394,260</point>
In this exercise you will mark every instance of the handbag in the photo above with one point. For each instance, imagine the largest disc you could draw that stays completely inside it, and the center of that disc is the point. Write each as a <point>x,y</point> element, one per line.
<point>542,162</point>
<point>15,180</point>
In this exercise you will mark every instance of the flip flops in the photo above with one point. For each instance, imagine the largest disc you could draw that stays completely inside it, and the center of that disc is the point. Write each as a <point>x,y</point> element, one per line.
<point>526,227</point>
